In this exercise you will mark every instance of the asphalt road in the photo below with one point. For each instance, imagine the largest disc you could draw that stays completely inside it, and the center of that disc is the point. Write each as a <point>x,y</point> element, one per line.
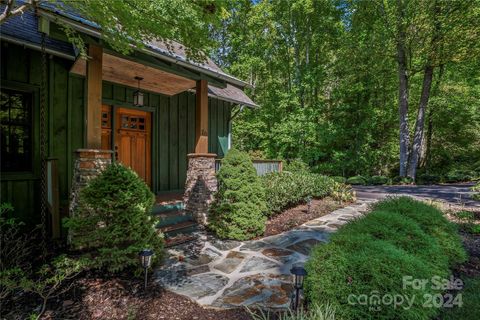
<point>452,193</point>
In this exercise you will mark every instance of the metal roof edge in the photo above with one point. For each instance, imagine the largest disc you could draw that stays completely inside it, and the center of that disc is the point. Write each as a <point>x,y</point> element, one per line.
<point>37,47</point>
<point>55,15</point>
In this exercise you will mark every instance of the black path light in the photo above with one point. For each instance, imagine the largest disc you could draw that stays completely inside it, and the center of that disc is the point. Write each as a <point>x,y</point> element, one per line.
<point>146,260</point>
<point>299,274</point>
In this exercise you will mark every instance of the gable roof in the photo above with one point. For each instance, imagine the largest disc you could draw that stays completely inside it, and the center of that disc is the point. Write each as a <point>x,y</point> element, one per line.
<point>23,30</point>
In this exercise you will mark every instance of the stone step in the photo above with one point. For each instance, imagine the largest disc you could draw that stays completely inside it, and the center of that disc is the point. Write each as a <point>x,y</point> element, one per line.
<point>179,239</point>
<point>172,217</point>
<point>177,228</point>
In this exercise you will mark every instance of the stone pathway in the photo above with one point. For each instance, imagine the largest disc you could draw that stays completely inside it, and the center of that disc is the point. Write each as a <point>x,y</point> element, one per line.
<point>229,274</point>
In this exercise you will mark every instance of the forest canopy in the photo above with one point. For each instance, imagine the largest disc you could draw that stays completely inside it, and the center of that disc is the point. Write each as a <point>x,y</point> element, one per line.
<point>358,87</point>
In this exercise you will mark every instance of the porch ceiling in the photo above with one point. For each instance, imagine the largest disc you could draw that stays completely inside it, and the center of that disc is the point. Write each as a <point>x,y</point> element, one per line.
<point>123,71</point>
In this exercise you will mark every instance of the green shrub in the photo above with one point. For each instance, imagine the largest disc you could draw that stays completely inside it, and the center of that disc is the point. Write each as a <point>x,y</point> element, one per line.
<point>370,256</point>
<point>339,179</point>
<point>402,180</point>
<point>357,180</point>
<point>428,179</point>
<point>113,221</point>
<point>350,267</point>
<point>287,189</point>
<point>432,221</point>
<point>459,176</point>
<point>378,180</point>
<point>239,206</point>
<point>476,188</point>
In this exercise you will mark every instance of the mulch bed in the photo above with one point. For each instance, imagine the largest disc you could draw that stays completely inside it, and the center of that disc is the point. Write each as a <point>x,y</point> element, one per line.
<point>300,214</point>
<point>96,298</point>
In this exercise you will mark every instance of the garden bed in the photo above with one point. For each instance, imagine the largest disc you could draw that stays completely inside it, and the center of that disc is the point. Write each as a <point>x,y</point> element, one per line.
<point>119,298</point>
<point>298,215</point>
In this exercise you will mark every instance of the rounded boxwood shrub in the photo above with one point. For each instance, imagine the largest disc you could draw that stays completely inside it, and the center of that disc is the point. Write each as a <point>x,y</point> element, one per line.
<point>368,258</point>
<point>357,180</point>
<point>239,206</point>
<point>113,222</point>
<point>349,268</point>
<point>378,180</point>
<point>431,221</point>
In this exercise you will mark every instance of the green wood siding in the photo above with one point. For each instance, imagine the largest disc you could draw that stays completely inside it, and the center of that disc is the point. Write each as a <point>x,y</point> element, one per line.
<point>173,131</point>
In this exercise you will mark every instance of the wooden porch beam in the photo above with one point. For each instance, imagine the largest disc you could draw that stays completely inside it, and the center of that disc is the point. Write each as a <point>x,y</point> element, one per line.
<point>201,121</point>
<point>94,97</point>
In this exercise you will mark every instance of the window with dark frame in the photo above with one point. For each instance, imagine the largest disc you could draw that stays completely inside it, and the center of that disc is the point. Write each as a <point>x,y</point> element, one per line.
<point>16,130</point>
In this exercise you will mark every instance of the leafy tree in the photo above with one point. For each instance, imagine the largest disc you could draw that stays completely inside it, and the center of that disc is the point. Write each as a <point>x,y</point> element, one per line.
<point>326,76</point>
<point>239,207</point>
<point>128,22</point>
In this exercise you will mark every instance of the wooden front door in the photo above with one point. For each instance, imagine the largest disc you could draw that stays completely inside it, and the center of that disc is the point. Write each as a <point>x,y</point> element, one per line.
<point>132,141</point>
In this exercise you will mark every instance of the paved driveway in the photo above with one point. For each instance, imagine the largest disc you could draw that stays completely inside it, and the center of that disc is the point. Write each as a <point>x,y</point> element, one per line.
<point>451,193</point>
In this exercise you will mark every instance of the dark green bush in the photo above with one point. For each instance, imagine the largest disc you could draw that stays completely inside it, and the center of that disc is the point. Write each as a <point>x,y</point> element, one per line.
<point>239,206</point>
<point>370,256</point>
<point>287,189</point>
<point>113,221</point>
<point>378,180</point>
<point>402,180</point>
<point>428,179</point>
<point>459,176</point>
<point>357,180</point>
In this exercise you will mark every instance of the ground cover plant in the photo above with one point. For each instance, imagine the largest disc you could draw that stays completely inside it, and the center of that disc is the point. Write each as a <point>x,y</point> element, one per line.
<point>370,256</point>
<point>113,221</point>
<point>238,211</point>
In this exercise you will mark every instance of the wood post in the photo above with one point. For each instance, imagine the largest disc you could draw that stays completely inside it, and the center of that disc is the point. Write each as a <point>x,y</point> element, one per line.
<point>201,121</point>
<point>94,97</point>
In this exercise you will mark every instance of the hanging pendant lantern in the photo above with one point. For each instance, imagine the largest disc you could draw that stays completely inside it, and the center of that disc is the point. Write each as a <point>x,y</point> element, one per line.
<point>137,95</point>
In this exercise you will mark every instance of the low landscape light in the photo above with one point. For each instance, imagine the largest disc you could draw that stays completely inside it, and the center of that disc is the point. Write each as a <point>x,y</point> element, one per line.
<point>299,274</point>
<point>146,260</point>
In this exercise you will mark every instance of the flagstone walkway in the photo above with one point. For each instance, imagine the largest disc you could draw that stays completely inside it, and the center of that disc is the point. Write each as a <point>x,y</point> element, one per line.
<point>230,274</point>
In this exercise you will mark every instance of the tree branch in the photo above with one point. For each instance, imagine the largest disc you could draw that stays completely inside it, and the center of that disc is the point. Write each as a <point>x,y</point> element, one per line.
<point>11,11</point>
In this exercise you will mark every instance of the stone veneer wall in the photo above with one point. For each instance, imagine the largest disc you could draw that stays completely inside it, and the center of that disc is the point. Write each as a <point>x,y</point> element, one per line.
<point>89,163</point>
<point>200,186</point>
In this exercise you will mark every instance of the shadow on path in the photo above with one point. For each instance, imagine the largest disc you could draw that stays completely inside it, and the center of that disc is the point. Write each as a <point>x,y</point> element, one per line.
<point>452,193</point>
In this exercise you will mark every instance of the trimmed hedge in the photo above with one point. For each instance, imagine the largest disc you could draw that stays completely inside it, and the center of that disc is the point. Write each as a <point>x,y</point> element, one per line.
<point>239,206</point>
<point>287,189</point>
<point>370,256</point>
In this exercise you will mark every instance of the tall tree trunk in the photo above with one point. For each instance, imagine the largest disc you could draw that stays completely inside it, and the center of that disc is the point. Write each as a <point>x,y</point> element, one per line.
<point>420,122</point>
<point>429,135</point>
<point>402,90</point>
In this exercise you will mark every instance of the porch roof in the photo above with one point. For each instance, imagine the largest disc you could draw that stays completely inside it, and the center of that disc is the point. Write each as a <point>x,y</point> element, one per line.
<point>24,31</point>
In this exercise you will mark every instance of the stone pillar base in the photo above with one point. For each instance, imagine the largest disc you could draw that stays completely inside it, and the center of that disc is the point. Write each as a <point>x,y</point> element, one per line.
<point>89,163</point>
<point>200,186</point>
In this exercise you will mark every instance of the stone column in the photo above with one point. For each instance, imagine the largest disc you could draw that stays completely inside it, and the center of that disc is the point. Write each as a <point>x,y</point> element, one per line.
<point>89,163</point>
<point>200,186</point>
